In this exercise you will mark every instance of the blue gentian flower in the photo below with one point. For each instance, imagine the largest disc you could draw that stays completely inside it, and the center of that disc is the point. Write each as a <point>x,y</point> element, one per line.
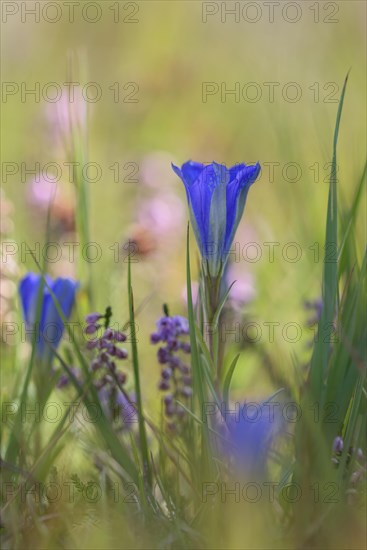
<point>51,327</point>
<point>250,437</point>
<point>216,197</point>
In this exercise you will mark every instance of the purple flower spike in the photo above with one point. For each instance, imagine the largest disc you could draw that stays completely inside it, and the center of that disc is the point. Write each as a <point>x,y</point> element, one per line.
<point>175,376</point>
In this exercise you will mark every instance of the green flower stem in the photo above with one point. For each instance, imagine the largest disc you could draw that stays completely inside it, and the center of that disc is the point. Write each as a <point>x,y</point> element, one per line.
<point>212,290</point>
<point>43,388</point>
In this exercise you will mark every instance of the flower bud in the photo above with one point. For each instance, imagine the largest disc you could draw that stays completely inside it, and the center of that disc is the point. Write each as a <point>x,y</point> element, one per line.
<point>120,353</point>
<point>121,377</point>
<point>166,373</point>
<point>168,399</point>
<point>338,445</point>
<point>170,409</point>
<point>95,364</point>
<point>162,355</point>
<point>91,329</point>
<point>186,391</point>
<point>108,334</point>
<point>163,385</point>
<point>185,346</point>
<point>92,344</point>
<point>92,318</point>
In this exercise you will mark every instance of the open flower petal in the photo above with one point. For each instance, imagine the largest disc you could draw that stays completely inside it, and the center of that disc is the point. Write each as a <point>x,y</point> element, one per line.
<point>216,198</point>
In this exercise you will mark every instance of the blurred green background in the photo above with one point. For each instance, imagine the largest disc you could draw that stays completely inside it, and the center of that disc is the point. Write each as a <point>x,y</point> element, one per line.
<point>169,53</point>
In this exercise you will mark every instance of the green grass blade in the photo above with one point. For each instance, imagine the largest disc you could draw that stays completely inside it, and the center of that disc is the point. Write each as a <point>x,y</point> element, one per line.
<point>134,349</point>
<point>221,305</point>
<point>330,299</point>
<point>228,379</point>
<point>351,218</point>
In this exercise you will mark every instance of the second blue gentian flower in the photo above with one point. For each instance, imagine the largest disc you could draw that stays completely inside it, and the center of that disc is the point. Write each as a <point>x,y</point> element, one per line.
<point>50,326</point>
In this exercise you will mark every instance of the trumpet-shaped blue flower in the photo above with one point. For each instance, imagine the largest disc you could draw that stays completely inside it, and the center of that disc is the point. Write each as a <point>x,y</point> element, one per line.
<point>51,326</point>
<point>217,197</point>
<point>251,435</point>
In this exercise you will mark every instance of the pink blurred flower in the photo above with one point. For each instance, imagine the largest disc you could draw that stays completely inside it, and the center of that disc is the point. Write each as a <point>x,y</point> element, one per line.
<point>155,170</point>
<point>68,114</point>
<point>160,218</point>
<point>243,291</point>
<point>159,223</point>
<point>245,234</point>
<point>163,215</point>
<point>41,192</point>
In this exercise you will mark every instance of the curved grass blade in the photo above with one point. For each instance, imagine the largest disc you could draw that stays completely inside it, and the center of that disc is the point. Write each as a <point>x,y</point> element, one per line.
<point>330,295</point>
<point>221,305</point>
<point>228,378</point>
<point>147,472</point>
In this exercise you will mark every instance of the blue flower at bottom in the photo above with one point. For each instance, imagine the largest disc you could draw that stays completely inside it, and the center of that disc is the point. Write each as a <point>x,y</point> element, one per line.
<point>216,196</point>
<point>250,437</point>
<point>51,326</point>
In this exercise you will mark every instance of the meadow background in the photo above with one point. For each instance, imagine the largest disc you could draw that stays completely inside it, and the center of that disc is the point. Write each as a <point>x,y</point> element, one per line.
<point>169,53</point>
